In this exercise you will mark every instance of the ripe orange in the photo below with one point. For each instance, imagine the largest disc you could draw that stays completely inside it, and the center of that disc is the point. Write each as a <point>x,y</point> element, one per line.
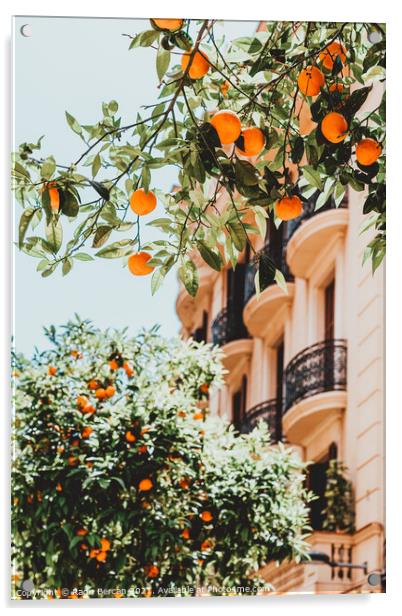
<point>72,461</point>
<point>142,449</point>
<point>199,64</point>
<point>334,127</point>
<point>254,141</point>
<point>130,437</point>
<point>367,152</point>
<point>172,25</point>
<point>52,371</point>
<point>225,88</point>
<point>54,198</point>
<point>86,432</point>
<point>184,483</point>
<point>330,53</point>
<point>81,532</point>
<point>137,264</point>
<point>151,571</point>
<point>227,124</point>
<point>206,545</point>
<point>88,409</point>
<point>181,413</point>
<point>110,391</point>
<point>100,393</point>
<point>185,533</point>
<point>128,369</point>
<point>336,87</point>
<point>113,365</point>
<point>198,416</point>
<point>142,202</point>
<point>93,384</point>
<point>204,388</point>
<point>82,401</point>
<point>145,485</point>
<point>206,516</point>
<point>310,81</point>
<point>288,208</point>
<point>59,487</point>
<point>105,545</point>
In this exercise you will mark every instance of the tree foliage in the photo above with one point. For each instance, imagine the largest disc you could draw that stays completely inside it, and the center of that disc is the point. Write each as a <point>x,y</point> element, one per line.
<point>257,77</point>
<point>121,481</point>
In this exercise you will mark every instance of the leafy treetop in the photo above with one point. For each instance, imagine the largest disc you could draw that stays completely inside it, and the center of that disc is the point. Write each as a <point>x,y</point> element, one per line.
<point>266,82</point>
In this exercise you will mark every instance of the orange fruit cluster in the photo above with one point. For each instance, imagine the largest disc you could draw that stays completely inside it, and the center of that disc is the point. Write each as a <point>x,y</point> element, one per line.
<point>100,554</point>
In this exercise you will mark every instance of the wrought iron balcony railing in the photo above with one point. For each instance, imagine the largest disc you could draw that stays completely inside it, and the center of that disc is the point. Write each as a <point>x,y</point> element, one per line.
<point>319,368</point>
<point>277,256</point>
<point>268,411</point>
<point>308,212</point>
<point>229,326</point>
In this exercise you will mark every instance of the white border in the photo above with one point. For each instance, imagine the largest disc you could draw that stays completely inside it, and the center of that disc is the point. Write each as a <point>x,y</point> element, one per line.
<point>340,10</point>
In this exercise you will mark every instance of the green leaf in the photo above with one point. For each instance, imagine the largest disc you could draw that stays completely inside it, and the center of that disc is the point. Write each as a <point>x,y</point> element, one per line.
<point>326,193</point>
<point>67,266</point>
<point>312,176</point>
<point>73,124</point>
<point>157,279</point>
<point>162,62</point>
<point>54,234</point>
<point>48,168</point>
<point>237,234</point>
<point>297,150</point>
<point>69,204</point>
<point>100,189</point>
<point>96,165</point>
<point>117,249</point>
<point>261,219</point>
<point>82,256</point>
<point>280,281</point>
<point>246,173</point>
<point>188,274</point>
<point>102,234</point>
<point>19,170</point>
<point>25,220</point>
<point>210,257</point>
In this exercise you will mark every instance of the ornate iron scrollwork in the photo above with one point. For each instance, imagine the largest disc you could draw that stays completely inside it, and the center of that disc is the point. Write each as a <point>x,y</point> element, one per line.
<point>277,255</point>
<point>228,326</point>
<point>321,367</point>
<point>269,412</point>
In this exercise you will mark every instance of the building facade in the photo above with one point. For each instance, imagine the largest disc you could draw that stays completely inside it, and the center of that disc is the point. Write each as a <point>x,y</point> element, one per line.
<point>308,362</point>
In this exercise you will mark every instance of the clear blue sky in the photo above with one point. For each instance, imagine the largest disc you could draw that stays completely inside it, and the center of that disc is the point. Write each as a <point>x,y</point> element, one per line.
<point>75,64</point>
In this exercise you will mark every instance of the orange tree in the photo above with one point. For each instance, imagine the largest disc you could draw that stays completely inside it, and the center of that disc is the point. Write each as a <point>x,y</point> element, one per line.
<point>229,117</point>
<point>121,482</point>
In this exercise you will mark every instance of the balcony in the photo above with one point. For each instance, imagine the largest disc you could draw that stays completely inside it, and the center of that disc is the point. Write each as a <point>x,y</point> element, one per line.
<point>259,310</point>
<point>311,233</point>
<point>230,333</point>
<point>312,577</point>
<point>315,388</point>
<point>270,413</point>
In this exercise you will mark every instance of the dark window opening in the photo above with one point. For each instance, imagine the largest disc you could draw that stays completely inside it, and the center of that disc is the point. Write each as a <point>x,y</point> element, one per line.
<point>316,482</point>
<point>239,404</point>
<point>329,311</point>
